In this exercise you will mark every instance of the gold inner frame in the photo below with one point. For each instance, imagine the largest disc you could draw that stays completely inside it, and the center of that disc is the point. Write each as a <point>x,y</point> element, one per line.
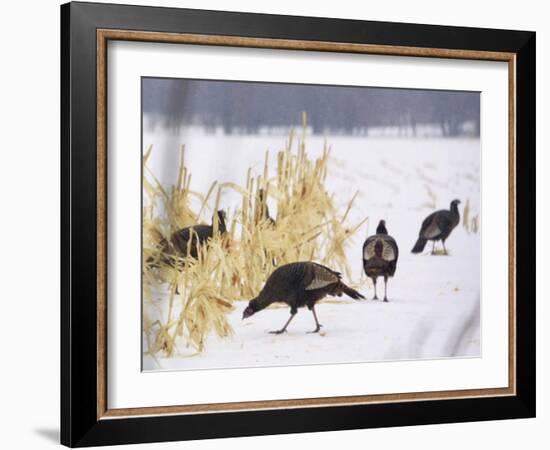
<point>104,35</point>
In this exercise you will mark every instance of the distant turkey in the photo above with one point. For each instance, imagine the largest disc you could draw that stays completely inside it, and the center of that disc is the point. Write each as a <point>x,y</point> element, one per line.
<point>299,284</point>
<point>437,227</point>
<point>380,253</point>
<point>187,241</point>
<point>262,210</point>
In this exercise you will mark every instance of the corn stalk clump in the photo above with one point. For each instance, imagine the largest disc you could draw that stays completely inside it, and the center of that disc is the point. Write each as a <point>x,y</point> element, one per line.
<point>188,298</point>
<point>470,221</point>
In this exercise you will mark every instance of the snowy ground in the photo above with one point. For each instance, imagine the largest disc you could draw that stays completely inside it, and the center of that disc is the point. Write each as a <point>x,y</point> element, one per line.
<point>434,308</point>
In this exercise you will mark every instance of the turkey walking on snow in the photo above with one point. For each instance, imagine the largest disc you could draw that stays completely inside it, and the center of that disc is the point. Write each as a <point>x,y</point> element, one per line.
<point>437,227</point>
<point>380,253</point>
<point>187,241</point>
<point>299,284</point>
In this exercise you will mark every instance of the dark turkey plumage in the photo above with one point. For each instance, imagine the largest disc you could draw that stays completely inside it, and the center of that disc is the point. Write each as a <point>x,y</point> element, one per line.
<point>299,284</point>
<point>187,241</point>
<point>262,210</point>
<point>380,253</point>
<point>437,227</point>
<point>183,240</point>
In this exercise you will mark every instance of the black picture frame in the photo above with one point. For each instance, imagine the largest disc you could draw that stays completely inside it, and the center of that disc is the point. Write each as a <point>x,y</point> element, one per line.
<point>80,425</point>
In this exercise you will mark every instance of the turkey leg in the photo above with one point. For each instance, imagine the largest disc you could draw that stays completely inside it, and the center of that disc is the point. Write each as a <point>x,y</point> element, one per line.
<point>283,330</point>
<point>374,282</point>
<point>317,324</point>
<point>385,289</point>
<point>444,248</point>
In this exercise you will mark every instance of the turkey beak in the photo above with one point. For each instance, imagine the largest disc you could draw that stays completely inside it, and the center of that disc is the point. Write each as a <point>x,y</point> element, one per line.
<point>249,311</point>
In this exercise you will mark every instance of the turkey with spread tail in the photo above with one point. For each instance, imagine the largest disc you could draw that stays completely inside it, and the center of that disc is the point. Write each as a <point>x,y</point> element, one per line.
<point>437,227</point>
<point>299,284</point>
<point>380,253</point>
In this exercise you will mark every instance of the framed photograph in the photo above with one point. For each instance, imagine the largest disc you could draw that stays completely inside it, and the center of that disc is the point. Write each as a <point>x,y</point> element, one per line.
<point>276,224</point>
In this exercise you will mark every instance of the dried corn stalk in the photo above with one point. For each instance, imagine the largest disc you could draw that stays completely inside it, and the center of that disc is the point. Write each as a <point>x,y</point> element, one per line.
<point>234,267</point>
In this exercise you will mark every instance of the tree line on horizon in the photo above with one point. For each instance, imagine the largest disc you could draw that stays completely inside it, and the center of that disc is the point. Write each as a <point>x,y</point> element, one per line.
<point>247,107</point>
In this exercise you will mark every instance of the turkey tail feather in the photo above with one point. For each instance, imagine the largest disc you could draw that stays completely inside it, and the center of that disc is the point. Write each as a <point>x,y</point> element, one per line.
<point>350,292</point>
<point>419,246</point>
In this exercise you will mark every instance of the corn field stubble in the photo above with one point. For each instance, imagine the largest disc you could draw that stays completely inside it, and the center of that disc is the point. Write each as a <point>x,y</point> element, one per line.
<point>234,267</point>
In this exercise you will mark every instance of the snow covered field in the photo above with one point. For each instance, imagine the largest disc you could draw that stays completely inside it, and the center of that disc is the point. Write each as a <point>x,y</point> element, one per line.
<point>434,307</point>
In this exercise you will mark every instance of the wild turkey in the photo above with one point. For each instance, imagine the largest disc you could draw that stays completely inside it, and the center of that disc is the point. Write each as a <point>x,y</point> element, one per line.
<point>187,241</point>
<point>437,227</point>
<point>179,242</point>
<point>380,253</point>
<point>262,210</point>
<point>183,241</point>
<point>299,284</point>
